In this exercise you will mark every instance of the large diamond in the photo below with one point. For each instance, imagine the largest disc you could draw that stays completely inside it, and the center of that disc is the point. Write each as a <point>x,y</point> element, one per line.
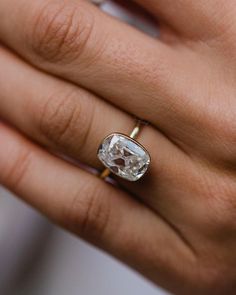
<point>124,156</point>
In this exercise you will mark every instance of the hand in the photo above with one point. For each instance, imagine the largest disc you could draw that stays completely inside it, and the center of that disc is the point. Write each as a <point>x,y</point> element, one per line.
<point>79,75</point>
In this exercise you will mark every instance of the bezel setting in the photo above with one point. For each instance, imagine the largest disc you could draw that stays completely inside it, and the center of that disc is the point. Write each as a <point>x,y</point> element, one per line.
<point>124,156</point>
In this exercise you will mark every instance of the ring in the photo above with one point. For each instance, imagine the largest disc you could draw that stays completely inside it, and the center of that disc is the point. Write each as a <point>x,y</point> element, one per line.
<point>123,156</point>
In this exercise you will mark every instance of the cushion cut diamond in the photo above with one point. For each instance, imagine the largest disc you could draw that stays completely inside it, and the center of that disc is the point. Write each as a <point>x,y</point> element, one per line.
<point>124,156</point>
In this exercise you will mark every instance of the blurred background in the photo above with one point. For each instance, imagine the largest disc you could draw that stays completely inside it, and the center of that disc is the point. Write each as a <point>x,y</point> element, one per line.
<point>37,258</point>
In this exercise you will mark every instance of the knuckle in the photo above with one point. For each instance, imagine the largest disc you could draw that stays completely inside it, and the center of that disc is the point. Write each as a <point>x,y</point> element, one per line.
<point>61,31</point>
<point>63,121</point>
<point>89,214</point>
<point>14,176</point>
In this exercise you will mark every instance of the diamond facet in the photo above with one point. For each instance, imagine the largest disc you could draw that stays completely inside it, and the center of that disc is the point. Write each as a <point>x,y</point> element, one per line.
<point>124,156</point>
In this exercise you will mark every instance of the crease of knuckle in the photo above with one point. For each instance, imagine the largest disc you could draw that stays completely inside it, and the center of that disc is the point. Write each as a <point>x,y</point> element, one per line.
<point>88,215</point>
<point>64,122</point>
<point>18,170</point>
<point>60,32</point>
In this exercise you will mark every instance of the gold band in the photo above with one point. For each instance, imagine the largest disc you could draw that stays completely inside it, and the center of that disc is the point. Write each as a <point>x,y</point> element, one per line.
<point>134,134</point>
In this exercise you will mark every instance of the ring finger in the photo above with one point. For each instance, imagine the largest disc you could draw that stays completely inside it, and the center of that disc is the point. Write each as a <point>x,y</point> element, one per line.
<point>71,120</point>
<point>63,116</point>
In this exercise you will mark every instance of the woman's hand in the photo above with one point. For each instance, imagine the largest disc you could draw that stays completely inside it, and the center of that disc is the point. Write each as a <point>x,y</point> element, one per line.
<point>79,75</point>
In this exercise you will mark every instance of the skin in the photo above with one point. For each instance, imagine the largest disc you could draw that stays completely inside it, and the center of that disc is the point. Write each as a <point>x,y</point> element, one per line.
<point>70,75</point>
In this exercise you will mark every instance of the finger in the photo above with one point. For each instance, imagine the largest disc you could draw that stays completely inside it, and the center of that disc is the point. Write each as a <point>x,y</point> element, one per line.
<point>78,42</point>
<point>61,117</point>
<point>64,117</point>
<point>91,208</point>
<point>57,114</point>
<point>202,19</point>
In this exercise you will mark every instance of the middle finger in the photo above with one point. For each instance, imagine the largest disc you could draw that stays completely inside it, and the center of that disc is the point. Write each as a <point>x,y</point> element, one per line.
<point>64,117</point>
<point>82,44</point>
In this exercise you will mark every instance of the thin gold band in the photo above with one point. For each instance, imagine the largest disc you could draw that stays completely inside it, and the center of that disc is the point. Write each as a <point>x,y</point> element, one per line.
<point>134,134</point>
